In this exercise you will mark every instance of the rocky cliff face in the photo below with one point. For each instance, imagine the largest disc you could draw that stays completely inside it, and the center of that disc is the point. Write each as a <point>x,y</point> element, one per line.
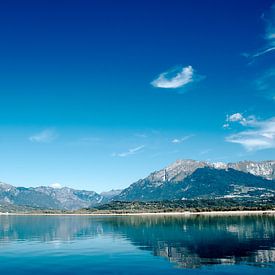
<point>265,169</point>
<point>178,170</point>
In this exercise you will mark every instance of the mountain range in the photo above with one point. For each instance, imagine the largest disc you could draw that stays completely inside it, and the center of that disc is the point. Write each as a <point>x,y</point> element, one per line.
<point>183,179</point>
<point>189,179</point>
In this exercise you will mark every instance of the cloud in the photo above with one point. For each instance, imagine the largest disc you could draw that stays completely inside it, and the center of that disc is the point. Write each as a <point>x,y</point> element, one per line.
<point>257,134</point>
<point>270,27</point>
<point>176,78</point>
<point>263,52</point>
<point>266,84</point>
<point>56,185</point>
<point>131,151</point>
<point>180,140</point>
<point>269,35</point>
<point>175,140</point>
<point>235,117</point>
<point>238,117</point>
<point>45,136</point>
<point>140,135</point>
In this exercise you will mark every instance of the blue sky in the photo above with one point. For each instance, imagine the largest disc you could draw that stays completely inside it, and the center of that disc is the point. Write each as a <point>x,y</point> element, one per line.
<point>97,94</point>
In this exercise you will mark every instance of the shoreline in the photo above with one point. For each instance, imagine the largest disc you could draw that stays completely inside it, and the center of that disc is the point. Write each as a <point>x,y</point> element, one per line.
<point>218,213</point>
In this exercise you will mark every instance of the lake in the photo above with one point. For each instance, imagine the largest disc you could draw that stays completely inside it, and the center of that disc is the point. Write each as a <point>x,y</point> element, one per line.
<point>137,244</point>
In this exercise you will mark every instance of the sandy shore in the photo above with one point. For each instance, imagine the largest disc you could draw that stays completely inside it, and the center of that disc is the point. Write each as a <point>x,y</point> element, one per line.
<point>219,213</point>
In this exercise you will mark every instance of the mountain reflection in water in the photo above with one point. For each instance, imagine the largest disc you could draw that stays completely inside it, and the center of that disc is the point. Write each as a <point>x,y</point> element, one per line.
<point>200,240</point>
<point>188,242</point>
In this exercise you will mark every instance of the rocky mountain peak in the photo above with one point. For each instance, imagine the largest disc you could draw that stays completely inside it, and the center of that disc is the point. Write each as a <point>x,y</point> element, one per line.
<point>5,186</point>
<point>265,169</point>
<point>177,170</point>
<point>180,169</point>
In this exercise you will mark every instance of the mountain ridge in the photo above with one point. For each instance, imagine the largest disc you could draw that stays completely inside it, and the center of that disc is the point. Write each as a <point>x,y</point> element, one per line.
<point>183,167</point>
<point>182,179</point>
<point>177,172</point>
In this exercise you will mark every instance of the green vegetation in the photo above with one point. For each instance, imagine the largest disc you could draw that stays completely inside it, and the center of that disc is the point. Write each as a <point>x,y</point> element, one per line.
<point>166,206</point>
<point>195,205</point>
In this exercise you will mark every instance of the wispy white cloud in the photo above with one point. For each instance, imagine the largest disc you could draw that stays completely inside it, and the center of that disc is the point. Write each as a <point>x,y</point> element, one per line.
<point>270,26</point>
<point>269,36</point>
<point>140,135</point>
<point>266,83</point>
<point>262,52</point>
<point>176,140</point>
<point>45,136</point>
<point>176,78</point>
<point>256,135</point>
<point>131,151</point>
<point>181,140</point>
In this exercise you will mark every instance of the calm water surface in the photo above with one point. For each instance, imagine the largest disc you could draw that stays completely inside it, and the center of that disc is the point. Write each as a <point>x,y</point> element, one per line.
<point>137,245</point>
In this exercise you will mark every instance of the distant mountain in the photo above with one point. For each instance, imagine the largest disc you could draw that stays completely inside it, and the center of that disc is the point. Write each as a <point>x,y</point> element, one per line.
<point>109,195</point>
<point>185,179</point>
<point>68,198</point>
<point>48,197</point>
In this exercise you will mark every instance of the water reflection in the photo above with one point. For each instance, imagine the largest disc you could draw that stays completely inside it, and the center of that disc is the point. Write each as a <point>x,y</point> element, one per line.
<point>201,240</point>
<point>189,242</point>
